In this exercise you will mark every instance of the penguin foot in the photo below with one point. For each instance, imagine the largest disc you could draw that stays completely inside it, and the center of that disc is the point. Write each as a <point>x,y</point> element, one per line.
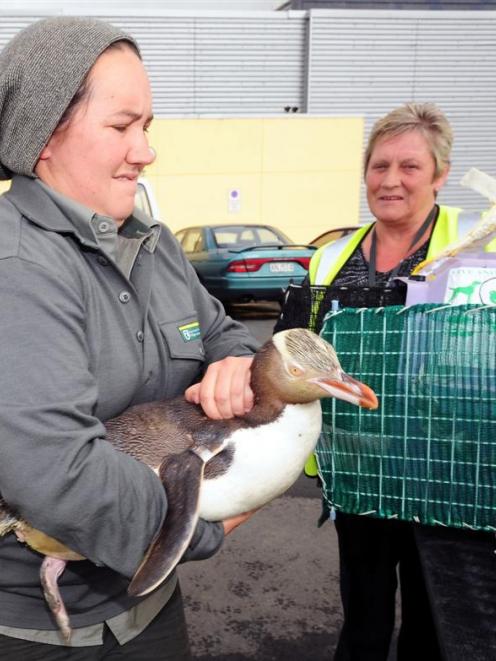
<point>51,569</point>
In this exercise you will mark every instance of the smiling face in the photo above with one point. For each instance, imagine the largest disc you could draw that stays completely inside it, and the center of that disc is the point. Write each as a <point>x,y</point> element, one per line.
<point>97,157</point>
<point>400,180</point>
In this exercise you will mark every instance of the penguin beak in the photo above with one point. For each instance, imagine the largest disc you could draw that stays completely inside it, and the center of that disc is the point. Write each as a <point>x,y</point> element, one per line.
<point>349,390</point>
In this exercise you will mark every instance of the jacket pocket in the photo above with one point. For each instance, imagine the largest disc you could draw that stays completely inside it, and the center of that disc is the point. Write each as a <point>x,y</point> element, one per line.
<point>183,339</point>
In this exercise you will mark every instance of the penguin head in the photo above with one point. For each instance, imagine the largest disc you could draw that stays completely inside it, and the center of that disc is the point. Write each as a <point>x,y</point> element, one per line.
<point>298,366</point>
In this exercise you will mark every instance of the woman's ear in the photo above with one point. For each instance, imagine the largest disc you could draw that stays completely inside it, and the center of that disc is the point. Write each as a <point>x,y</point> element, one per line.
<point>43,159</point>
<point>441,179</point>
<point>45,152</point>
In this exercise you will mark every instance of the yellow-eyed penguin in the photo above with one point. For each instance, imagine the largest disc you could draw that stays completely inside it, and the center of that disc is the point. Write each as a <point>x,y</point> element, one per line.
<point>216,469</point>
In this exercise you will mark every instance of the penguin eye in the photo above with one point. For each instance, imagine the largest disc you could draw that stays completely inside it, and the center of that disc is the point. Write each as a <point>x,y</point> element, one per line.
<point>295,371</point>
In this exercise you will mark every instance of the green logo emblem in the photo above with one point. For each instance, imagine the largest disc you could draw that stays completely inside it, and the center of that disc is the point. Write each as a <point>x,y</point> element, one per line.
<point>190,332</point>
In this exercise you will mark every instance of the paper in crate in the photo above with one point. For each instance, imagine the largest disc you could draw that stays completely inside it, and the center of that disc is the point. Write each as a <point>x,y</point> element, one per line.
<point>464,271</point>
<point>463,279</point>
<point>428,453</point>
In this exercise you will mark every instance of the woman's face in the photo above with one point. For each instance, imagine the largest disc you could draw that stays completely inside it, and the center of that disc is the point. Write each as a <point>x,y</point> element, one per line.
<point>97,157</point>
<point>400,179</point>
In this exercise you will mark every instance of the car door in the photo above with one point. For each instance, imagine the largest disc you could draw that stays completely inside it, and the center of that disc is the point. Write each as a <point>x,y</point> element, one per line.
<point>194,244</point>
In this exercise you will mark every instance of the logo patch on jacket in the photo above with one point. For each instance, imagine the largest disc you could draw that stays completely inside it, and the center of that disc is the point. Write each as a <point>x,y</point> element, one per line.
<point>190,332</point>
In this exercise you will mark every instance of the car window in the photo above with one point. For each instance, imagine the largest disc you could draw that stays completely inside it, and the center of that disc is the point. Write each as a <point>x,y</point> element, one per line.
<point>247,238</point>
<point>331,235</point>
<point>234,237</point>
<point>266,235</point>
<point>237,237</point>
<point>180,235</point>
<point>193,241</point>
<point>226,238</point>
<point>141,200</point>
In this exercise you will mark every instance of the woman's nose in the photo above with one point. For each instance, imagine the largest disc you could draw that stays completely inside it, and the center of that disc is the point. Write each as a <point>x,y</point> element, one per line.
<point>140,152</point>
<point>391,178</point>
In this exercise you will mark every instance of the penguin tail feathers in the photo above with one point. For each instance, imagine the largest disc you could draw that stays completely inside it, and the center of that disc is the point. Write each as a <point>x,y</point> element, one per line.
<point>181,476</point>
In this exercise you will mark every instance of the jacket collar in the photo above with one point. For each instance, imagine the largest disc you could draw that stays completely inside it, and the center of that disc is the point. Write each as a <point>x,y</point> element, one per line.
<point>40,208</point>
<point>33,202</point>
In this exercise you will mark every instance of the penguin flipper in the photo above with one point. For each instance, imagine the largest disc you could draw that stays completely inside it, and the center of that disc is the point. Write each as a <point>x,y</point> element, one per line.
<point>182,476</point>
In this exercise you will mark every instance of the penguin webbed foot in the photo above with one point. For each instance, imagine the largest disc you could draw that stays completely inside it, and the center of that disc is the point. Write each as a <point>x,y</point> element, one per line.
<point>50,571</point>
<point>181,476</point>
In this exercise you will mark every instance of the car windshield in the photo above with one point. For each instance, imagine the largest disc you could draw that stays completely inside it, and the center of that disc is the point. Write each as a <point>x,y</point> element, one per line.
<point>237,237</point>
<point>142,200</point>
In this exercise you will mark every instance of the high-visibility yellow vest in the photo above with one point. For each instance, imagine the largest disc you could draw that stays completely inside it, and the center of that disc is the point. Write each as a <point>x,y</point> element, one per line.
<point>451,225</point>
<point>328,260</point>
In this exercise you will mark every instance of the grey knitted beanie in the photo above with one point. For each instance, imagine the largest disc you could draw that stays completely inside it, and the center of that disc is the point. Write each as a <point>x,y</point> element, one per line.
<point>41,69</point>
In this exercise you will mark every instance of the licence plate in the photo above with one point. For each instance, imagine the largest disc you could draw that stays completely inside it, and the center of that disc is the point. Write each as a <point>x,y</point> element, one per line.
<point>281,267</point>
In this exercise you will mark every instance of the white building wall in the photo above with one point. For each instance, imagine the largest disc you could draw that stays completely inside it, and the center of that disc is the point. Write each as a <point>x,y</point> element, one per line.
<point>337,62</point>
<point>368,62</point>
<point>213,62</point>
<point>93,7</point>
<point>252,63</point>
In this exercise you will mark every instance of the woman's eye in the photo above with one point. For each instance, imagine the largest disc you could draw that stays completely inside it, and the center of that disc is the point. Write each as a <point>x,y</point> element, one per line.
<point>120,127</point>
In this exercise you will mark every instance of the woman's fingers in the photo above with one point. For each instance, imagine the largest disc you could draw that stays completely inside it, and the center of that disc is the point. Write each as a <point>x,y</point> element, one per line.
<point>224,392</point>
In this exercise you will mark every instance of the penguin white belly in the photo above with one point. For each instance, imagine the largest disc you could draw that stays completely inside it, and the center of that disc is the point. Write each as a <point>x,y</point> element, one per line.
<point>267,460</point>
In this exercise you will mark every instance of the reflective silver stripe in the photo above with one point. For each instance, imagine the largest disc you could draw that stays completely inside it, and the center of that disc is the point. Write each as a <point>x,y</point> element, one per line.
<point>203,452</point>
<point>329,256</point>
<point>466,222</point>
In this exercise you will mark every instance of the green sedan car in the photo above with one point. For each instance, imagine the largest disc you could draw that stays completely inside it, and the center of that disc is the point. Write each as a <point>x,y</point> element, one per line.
<point>241,263</point>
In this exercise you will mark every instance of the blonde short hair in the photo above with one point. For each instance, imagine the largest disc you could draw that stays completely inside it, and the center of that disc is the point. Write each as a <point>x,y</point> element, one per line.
<point>423,117</point>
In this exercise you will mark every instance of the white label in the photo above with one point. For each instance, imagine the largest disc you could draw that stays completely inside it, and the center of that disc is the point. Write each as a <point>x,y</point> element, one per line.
<point>234,203</point>
<point>471,285</point>
<point>281,267</point>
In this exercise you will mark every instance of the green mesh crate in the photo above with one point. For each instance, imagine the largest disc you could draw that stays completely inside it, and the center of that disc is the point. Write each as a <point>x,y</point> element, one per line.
<point>428,453</point>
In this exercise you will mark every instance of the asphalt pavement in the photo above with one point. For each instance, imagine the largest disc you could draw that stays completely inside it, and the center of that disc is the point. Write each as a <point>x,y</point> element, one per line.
<point>271,593</point>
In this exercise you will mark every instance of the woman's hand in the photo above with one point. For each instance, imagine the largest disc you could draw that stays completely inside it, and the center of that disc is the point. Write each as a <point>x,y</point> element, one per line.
<point>224,392</point>
<point>235,521</point>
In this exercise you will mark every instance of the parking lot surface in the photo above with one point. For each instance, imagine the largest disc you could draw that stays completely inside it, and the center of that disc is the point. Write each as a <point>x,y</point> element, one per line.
<point>271,593</point>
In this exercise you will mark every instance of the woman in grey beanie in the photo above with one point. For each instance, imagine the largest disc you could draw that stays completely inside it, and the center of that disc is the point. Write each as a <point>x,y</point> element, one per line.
<point>93,296</point>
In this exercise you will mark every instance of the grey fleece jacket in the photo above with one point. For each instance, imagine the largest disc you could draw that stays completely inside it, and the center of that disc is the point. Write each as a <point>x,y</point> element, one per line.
<point>79,343</point>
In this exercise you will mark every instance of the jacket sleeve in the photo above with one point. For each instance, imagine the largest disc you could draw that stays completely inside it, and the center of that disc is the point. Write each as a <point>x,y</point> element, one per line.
<point>207,540</point>
<point>56,470</point>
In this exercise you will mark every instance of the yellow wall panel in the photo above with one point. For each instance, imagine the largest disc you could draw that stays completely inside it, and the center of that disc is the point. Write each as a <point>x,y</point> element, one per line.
<point>306,204</point>
<point>198,199</point>
<point>206,146</point>
<point>301,174</point>
<point>312,144</point>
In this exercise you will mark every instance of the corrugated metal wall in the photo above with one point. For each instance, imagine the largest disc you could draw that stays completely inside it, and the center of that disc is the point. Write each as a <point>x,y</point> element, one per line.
<point>338,62</point>
<point>393,5</point>
<point>216,62</point>
<point>92,7</point>
<point>369,62</point>
<point>223,64</point>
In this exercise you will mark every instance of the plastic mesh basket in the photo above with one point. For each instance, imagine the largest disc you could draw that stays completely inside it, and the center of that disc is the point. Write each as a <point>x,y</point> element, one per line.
<point>428,453</point>
<point>305,306</point>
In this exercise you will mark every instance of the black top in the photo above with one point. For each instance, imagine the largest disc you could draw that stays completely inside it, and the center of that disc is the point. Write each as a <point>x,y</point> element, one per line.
<point>356,270</point>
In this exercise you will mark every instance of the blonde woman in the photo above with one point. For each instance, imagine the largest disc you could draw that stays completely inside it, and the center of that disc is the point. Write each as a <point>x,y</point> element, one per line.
<point>407,162</point>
